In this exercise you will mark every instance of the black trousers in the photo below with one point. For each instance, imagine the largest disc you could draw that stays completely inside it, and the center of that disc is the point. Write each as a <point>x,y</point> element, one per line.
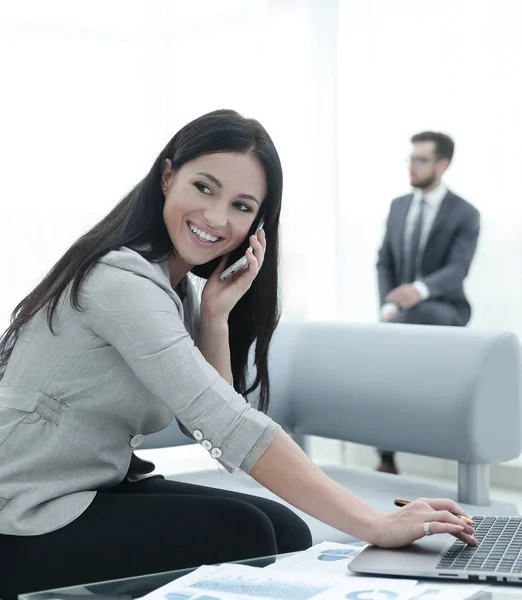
<point>149,526</point>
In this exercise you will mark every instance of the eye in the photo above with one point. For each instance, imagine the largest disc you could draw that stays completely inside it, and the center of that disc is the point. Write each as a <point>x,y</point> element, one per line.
<point>203,188</point>
<point>242,207</point>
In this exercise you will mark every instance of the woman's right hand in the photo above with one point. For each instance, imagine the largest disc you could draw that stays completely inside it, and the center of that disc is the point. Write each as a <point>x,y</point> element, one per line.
<point>219,297</point>
<point>406,525</point>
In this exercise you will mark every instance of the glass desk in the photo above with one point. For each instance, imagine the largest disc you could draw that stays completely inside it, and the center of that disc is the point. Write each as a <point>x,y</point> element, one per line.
<point>135,587</point>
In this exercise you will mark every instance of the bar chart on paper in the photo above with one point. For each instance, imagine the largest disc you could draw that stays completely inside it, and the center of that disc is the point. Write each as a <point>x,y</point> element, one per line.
<point>270,588</point>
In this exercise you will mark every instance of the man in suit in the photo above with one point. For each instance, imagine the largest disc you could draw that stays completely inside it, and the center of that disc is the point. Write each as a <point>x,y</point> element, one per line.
<point>430,240</point>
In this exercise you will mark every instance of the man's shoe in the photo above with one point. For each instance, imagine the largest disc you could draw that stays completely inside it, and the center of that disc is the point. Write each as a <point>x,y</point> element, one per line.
<point>388,467</point>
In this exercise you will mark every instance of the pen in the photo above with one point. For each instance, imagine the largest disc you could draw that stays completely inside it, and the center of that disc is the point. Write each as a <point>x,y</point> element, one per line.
<point>399,502</point>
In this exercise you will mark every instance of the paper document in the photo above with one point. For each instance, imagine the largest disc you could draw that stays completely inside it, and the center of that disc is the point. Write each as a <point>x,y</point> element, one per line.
<point>319,573</point>
<point>241,582</point>
<point>326,558</point>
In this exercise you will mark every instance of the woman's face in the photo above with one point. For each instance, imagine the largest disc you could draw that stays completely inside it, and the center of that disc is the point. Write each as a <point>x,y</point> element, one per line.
<point>211,203</point>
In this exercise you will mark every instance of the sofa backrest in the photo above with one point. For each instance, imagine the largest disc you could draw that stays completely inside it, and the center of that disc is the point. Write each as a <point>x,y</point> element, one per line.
<point>440,391</point>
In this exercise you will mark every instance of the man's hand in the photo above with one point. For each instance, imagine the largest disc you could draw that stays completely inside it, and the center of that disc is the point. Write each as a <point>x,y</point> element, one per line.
<point>406,296</point>
<point>388,316</point>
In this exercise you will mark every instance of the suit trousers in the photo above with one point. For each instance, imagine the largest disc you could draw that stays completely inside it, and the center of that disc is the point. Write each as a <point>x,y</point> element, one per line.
<point>429,312</point>
<point>149,526</point>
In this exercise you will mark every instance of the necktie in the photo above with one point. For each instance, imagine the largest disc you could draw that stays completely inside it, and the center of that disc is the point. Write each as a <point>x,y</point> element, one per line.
<point>410,259</point>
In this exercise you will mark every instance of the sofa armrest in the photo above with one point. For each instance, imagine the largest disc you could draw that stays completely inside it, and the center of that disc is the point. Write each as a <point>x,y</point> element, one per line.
<point>439,391</point>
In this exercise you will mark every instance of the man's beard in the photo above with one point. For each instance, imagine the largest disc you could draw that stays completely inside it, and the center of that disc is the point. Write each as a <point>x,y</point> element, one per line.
<point>425,183</point>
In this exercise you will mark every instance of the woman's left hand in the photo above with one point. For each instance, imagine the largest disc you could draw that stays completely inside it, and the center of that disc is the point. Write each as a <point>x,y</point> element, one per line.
<point>219,297</point>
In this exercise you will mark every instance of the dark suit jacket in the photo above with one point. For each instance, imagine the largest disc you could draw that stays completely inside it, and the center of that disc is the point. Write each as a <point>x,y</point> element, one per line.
<point>447,256</point>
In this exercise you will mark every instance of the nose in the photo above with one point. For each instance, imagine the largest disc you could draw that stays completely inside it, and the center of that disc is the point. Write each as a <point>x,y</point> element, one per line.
<point>215,217</point>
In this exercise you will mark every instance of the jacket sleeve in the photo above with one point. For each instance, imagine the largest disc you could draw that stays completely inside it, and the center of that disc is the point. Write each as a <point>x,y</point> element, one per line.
<point>449,277</point>
<point>142,322</point>
<point>385,267</point>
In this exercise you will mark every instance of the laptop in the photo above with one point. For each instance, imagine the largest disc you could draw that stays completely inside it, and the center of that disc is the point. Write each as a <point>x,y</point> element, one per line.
<point>497,557</point>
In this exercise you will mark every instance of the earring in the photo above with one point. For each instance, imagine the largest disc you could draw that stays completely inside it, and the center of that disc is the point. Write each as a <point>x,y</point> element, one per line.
<point>165,189</point>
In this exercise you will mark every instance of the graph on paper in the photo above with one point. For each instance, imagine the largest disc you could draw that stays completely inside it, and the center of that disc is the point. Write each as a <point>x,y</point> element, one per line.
<point>270,588</point>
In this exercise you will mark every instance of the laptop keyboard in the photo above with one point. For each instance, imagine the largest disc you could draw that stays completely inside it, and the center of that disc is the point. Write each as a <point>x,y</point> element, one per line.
<point>498,549</point>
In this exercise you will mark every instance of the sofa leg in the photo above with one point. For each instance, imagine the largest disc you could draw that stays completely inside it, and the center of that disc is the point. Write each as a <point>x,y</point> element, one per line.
<point>473,484</point>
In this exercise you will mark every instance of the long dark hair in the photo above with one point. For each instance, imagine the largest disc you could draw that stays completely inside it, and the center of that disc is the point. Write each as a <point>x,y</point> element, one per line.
<point>137,222</point>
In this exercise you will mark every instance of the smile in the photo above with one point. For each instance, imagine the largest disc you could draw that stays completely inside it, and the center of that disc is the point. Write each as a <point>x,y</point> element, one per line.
<point>202,235</point>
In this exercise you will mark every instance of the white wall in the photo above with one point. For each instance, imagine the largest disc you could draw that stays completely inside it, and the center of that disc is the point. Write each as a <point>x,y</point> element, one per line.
<point>79,124</point>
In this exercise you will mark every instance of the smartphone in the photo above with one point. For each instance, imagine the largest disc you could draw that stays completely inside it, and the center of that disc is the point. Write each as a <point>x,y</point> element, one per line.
<point>242,262</point>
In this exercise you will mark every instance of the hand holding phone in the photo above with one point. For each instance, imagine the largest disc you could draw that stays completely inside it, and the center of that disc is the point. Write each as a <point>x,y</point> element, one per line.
<point>241,263</point>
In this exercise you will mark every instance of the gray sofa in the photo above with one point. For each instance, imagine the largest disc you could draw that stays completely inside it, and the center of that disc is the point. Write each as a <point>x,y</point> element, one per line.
<point>437,391</point>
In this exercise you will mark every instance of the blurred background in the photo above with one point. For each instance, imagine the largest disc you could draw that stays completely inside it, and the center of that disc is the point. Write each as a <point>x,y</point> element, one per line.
<point>91,92</point>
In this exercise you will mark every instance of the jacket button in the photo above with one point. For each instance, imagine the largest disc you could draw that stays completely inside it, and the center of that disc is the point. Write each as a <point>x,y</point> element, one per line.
<point>216,453</point>
<point>198,436</point>
<point>136,440</point>
<point>206,444</point>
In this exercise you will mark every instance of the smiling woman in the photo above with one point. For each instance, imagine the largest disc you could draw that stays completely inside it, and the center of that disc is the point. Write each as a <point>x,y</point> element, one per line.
<point>124,284</point>
<point>113,345</point>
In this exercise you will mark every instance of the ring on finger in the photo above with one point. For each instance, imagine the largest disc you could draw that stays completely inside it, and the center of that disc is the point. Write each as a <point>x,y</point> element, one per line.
<point>427,530</point>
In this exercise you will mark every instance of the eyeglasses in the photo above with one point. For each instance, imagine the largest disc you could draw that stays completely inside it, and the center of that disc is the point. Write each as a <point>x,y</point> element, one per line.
<point>419,160</point>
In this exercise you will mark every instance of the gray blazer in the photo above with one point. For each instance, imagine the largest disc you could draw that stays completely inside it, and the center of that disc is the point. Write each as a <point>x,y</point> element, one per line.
<point>447,255</point>
<point>74,406</point>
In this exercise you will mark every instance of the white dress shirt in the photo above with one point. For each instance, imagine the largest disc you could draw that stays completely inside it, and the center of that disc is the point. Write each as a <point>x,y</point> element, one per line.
<point>433,201</point>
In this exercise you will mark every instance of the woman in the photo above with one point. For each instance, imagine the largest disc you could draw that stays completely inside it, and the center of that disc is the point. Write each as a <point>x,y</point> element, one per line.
<point>102,352</point>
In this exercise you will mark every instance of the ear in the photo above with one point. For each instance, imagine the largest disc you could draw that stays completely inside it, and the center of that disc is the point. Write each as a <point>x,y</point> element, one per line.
<point>166,173</point>
<point>444,164</point>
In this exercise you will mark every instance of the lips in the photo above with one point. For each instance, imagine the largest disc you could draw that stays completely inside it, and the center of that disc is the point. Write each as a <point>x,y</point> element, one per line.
<point>202,235</point>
